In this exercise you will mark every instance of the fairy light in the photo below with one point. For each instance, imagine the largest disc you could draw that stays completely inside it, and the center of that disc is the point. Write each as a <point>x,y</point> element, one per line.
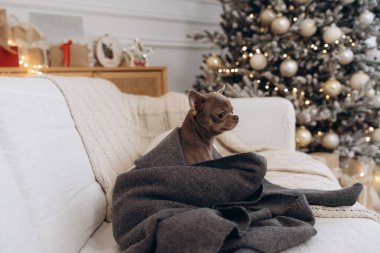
<point>285,55</point>
<point>291,7</point>
<point>324,51</point>
<point>250,54</point>
<point>258,81</point>
<point>326,45</point>
<point>307,102</point>
<point>251,75</point>
<point>361,174</point>
<point>337,42</point>
<point>321,90</point>
<point>276,88</point>
<point>244,48</point>
<point>220,70</point>
<point>353,44</point>
<point>349,95</point>
<point>371,129</point>
<point>320,133</point>
<point>327,97</point>
<point>236,70</point>
<point>295,90</point>
<point>266,54</point>
<point>245,56</point>
<point>367,139</point>
<point>251,16</point>
<point>286,90</point>
<point>258,51</point>
<point>295,19</point>
<point>267,86</point>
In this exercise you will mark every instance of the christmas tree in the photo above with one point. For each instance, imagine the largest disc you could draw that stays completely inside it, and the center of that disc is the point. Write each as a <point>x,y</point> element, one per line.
<point>321,55</point>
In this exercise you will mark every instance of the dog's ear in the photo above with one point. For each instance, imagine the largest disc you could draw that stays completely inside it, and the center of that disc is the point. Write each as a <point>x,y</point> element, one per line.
<point>196,101</point>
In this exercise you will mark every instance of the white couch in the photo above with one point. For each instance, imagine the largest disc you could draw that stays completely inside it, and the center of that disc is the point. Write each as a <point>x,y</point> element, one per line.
<point>50,199</point>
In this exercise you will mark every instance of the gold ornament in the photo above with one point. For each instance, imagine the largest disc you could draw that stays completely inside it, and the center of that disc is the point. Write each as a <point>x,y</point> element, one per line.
<point>358,80</point>
<point>375,136</point>
<point>332,33</point>
<point>308,27</point>
<point>332,87</point>
<point>214,62</point>
<point>288,68</point>
<point>330,140</point>
<point>299,2</point>
<point>303,137</point>
<point>280,25</point>
<point>258,61</point>
<point>267,16</point>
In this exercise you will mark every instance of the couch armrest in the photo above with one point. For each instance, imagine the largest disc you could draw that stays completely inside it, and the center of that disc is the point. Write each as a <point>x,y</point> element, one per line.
<point>268,121</point>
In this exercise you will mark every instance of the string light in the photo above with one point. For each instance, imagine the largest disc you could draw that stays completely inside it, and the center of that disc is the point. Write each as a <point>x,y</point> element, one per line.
<point>286,90</point>
<point>326,45</point>
<point>367,139</point>
<point>320,133</point>
<point>307,102</point>
<point>258,51</point>
<point>250,54</point>
<point>267,87</point>
<point>371,129</point>
<point>285,55</point>
<point>245,56</point>
<point>324,51</point>
<point>276,88</point>
<point>327,97</point>
<point>244,48</point>
<point>294,19</point>
<point>349,95</point>
<point>337,42</point>
<point>266,54</point>
<point>251,16</point>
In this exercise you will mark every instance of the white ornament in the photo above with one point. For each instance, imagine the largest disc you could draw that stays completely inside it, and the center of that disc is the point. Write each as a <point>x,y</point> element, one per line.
<point>366,18</point>
<point>332,33</point>
<point>332,87</point>
<point>375,102</point>
<point>358,80</point>
<point>288,68</point>
<point>267,16</point>
<point>280,25</point>
<point>344,2</point>
<point>308,27</point>
<point>303,137</point>
<point>370,92</point>
<point>376,135</point>
<point>345,56</point>
<point>258,61</point>
<point>330,140</point>
<point>371,42</point>
<point>373,55</point>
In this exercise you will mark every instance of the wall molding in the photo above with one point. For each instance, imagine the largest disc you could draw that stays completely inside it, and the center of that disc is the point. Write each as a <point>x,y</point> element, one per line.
<point>99,9</point>
<point>163,42</point>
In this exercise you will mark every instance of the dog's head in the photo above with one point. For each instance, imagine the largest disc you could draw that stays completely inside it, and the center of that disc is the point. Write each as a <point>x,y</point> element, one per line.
<point>213,112</point>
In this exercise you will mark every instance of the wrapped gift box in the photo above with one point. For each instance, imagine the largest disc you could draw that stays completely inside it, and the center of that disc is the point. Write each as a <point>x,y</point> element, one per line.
<point>78,56</point>
<point>8,56</point>
<point>3,27</point>
<point>36,56</point>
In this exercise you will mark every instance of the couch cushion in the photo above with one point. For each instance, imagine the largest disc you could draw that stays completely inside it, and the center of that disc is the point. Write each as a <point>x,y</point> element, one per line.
<point>64,204</point>
<point>17,233</point>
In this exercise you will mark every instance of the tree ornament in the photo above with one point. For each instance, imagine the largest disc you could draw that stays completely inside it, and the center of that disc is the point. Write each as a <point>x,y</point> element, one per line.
<point>267,16</point>
<point>345,56</point>
<point>299,2</point>
<point>375,136</point>
<point>303,137</point>
<point>308,27</point>
<point>345,2</point>
<point>332,33</point>
<point>366,18</point>
<point>280,25</point>
<point>358,80</point>
<point>330,140</point>
<point>370,92</point>
<point>375,101</point>
<point>214,62</point>
<point>288,68</point>
<point>258,61</point>
<point>332,87</point>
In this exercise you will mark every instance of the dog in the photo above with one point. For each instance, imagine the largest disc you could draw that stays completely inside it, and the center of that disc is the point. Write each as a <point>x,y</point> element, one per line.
<point>209,115</point>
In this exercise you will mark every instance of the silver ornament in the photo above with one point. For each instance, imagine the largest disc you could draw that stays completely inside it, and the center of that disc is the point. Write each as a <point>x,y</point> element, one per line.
<point>375,101</point>
<point>366,18</point>
<point>267,16</point>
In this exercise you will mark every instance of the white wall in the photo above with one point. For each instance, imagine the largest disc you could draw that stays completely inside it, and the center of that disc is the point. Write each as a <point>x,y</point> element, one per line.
<point>161,24</point>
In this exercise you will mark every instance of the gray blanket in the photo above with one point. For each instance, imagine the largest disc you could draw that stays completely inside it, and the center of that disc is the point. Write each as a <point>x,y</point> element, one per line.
<point>222,205</point>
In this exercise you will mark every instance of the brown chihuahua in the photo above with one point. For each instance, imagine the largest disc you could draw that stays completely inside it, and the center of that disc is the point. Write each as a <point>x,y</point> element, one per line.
<point>209,115</point>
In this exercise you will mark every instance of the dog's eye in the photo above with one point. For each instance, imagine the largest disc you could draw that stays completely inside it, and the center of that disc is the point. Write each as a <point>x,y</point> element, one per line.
<point>221,115</point>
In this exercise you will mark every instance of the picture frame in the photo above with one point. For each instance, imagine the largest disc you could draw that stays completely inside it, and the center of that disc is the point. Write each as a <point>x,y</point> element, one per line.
<point>108,51</point>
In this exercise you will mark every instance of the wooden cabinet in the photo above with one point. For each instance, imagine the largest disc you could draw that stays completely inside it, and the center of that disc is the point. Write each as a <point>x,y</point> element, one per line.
<point>150,81</point>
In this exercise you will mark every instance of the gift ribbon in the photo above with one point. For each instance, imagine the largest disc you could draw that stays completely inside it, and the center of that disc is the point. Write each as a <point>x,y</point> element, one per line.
<point>66,53</point>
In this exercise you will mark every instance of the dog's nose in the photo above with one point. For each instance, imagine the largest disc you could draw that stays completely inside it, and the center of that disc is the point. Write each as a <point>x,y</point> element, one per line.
<point>235,117</point>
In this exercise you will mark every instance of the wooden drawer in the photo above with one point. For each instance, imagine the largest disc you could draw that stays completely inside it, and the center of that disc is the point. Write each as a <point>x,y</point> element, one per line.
<point>148,83</point>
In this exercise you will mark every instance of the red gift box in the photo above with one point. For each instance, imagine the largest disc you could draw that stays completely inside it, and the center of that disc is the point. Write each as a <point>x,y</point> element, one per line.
<point>8,56</point>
